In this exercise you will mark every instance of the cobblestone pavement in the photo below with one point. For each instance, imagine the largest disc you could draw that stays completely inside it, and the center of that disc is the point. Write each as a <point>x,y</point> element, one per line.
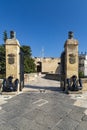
<point>42,106</point>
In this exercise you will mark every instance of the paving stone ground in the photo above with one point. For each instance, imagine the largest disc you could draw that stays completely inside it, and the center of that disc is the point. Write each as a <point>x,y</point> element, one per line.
<point>42,106</point>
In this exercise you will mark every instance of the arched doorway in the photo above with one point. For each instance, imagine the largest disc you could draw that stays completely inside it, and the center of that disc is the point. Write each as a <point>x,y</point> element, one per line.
<point>39,66</point>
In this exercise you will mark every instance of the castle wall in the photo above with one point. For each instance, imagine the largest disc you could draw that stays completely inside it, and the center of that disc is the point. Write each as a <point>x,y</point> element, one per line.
<point>49,65</point>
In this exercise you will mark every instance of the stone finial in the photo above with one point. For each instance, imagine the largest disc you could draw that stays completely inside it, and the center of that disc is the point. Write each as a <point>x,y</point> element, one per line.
<point>12,34</point>
<point>70,35</point>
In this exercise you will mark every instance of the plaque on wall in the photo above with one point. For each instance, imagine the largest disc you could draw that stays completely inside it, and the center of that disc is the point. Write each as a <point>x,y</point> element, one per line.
<point>11,58</point>
<point>72,58</point>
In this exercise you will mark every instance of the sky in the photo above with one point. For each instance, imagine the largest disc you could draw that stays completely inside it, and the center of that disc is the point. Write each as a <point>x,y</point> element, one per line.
<point>44,24</point>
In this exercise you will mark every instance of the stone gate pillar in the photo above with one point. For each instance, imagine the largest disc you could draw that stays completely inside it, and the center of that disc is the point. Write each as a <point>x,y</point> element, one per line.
<point>71,56</point>
<point>13,58</point>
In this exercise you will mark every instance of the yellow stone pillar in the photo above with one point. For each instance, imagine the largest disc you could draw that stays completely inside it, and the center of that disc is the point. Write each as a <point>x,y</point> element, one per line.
<point>71,57</point>
<point>13,59</point>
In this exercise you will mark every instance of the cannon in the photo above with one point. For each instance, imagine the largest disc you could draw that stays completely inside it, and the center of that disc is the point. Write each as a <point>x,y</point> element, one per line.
<point>9,86</point>
<point>74,84</point>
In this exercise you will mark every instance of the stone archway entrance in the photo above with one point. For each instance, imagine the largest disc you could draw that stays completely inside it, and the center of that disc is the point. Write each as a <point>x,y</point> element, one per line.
<point>39,66</point>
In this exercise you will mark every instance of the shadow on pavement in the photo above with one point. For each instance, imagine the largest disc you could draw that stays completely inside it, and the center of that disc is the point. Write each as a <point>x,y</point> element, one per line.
<point>55,77</point>
<point>57,89</point>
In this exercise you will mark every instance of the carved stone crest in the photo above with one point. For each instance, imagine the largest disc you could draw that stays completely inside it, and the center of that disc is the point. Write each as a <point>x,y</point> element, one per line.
<point>11,58</point>
<point>72,58</point>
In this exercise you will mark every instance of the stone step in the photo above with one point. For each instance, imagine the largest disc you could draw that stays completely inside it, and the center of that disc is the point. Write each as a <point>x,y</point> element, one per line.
<point>9,93</point>
<point>75,92</point>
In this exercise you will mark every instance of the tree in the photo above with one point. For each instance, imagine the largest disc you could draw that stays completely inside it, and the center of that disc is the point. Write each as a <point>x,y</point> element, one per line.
<point>2,60</point>
<point>29,65</point>
<point>26,50</point>
<point>5,37</point>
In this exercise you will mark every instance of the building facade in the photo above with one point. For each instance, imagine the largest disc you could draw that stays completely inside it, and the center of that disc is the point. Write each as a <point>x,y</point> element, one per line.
<point>47,65</point>
<point>83,64</point>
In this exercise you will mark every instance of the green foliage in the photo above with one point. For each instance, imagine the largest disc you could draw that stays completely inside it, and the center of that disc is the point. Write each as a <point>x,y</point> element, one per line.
<point>81,74</point>
<point>29,65</point>
<point>2,60</point>
<point>26,50</point>
<point>2,76</point>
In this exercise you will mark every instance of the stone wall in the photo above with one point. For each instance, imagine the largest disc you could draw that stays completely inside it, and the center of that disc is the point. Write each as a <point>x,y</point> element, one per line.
<point>48,65</point>
<point>53,77</point>
<point>84,84</point>
<point>29,77</point>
